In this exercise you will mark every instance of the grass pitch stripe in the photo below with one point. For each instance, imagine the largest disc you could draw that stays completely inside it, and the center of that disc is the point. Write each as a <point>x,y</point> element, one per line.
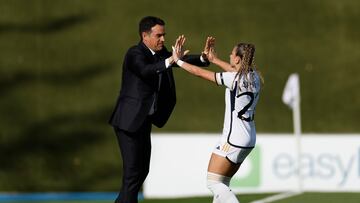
<point>277,197</point>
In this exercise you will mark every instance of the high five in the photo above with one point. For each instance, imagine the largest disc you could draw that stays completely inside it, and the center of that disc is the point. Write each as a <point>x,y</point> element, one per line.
<point>242,82</point>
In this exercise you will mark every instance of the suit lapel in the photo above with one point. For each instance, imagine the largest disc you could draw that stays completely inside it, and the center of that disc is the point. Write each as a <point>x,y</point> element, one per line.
<point>167,74</point>
<point>145,49</point>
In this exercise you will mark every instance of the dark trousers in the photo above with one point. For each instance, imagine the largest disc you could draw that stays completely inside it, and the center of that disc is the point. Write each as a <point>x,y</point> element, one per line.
<point>135,148</point>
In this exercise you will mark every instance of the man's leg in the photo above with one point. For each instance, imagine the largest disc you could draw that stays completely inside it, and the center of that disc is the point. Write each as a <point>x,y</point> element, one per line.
<point>135,150</point>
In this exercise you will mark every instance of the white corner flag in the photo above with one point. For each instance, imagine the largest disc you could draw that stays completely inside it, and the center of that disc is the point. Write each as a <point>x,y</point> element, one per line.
<point>291,97</point>
<point>291,93</point>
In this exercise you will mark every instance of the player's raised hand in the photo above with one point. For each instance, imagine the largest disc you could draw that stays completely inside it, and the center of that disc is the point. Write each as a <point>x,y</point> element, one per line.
<point>182,40</point>
<point>212,53</point>
<point>208,44</point>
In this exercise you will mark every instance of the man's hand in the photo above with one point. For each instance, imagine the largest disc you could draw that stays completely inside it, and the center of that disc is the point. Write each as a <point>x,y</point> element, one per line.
<point>178,48</point>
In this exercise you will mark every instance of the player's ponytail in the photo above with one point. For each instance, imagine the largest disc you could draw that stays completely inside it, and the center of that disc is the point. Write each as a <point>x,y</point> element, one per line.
<point>247,54</point>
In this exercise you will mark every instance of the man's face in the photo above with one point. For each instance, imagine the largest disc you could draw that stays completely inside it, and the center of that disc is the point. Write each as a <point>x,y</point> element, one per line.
<point>155,38</point>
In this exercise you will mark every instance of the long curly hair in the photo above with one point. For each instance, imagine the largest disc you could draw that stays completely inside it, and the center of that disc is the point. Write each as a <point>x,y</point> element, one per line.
<point>247,67</point>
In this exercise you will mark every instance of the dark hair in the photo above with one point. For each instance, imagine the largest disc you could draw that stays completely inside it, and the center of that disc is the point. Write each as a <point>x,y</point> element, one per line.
<point>148,22</point>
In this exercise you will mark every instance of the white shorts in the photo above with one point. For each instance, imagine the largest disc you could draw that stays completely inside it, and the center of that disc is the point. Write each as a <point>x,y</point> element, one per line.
<point>234,154</point>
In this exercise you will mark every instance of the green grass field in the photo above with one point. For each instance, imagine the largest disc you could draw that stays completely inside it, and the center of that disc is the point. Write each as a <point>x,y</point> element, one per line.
<point>303,198</point>
<point>246,198</point>
<point>60,69</point>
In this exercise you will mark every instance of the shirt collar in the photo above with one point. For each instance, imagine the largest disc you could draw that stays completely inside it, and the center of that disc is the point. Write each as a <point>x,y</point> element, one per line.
<point>152,52</point>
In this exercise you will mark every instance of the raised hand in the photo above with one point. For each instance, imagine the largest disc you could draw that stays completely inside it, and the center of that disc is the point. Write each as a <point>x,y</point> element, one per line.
<point>210,42</point>
<point>211,55</point>
<point>178,48</point>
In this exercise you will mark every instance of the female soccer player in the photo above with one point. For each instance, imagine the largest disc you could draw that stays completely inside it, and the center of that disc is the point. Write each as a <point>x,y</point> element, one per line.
<point>242,82</point>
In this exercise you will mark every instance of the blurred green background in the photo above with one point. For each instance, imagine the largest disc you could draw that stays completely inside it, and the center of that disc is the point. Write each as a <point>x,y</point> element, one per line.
<point>60,75</point>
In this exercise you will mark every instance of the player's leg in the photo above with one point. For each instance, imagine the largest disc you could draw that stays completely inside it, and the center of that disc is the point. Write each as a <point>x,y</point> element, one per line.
<point>221,165</point>
<point>220,171</point>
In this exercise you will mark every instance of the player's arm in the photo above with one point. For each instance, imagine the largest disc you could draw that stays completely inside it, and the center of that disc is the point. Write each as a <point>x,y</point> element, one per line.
<point>212,56</point>
<point>223,65</point>
<point>178,52</point>
<point>197,71</point>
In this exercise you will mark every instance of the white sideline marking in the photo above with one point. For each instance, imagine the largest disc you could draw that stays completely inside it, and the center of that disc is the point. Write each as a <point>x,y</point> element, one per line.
<point>277,197</point>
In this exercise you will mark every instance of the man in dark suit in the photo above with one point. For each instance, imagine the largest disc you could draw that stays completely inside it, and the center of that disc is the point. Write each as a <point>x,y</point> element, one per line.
<point>147,97</point>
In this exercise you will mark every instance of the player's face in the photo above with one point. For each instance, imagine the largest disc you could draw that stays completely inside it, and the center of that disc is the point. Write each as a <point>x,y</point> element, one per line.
<point>155,38</point>
<point>234,60</point>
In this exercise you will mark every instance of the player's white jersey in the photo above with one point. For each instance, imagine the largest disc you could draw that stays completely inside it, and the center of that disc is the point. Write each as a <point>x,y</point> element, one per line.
<point>241,98</point>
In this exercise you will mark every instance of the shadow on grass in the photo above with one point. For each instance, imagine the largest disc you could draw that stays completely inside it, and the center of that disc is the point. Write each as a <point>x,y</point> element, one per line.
<point>48,27</point>
<point>17,79</point>
<point>58,150</point>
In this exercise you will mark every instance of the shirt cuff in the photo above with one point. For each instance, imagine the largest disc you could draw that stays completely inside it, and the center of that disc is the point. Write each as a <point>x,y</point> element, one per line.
<point>219,79</point>
<point>167,63</point>
<point>202,59</point>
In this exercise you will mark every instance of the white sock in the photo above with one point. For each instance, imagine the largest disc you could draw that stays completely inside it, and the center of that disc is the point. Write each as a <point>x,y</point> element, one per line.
<point>219,186</point>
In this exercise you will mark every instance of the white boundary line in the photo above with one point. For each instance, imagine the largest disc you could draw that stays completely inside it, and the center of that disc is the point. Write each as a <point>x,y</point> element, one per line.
<point>277,197</point>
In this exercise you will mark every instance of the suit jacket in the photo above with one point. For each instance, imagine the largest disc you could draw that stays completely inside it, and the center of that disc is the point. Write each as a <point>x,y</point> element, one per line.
<point>146,81</point>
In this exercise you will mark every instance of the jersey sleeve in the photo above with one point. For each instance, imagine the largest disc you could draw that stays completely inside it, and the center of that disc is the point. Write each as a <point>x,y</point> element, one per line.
<point>226,79</point>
